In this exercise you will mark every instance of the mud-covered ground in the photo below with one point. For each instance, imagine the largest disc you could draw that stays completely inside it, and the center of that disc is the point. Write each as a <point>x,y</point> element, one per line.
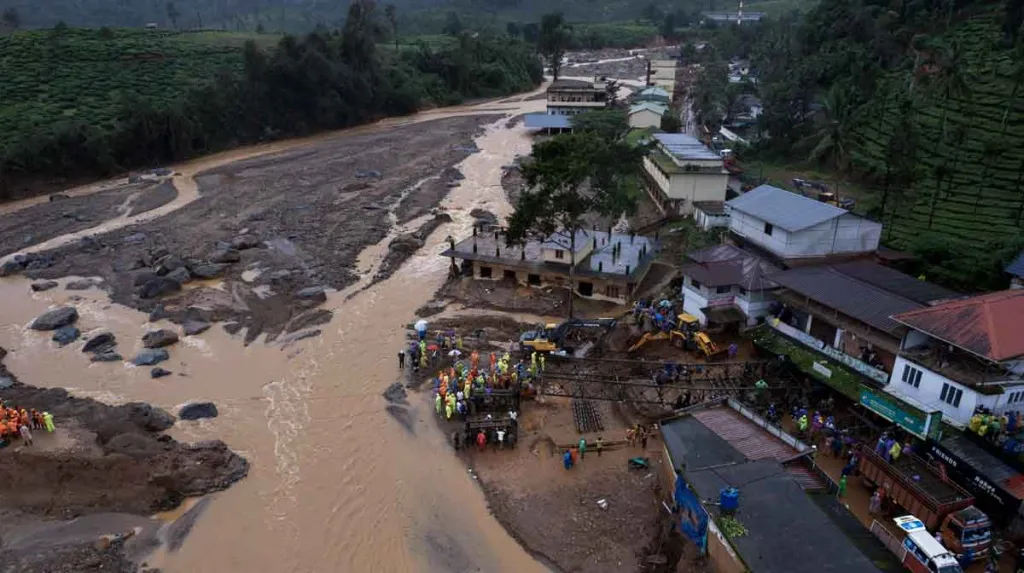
<point>63,214</point>
<point>106,462</point>
<point>287,221</point>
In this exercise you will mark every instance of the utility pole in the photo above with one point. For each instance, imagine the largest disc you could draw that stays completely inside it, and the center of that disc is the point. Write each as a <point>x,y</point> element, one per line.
<point>648,72</point>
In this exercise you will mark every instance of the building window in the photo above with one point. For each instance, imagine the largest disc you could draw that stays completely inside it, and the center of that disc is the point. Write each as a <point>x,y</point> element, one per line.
<point>768,228</point>
<point>951,395</point>
<point>559,254</point>
<point>611,291</point>
<point>533,280</point>
<point>485,272</point>
<point>723,289</point>
<point>695,283</point>
<point>912,376</point>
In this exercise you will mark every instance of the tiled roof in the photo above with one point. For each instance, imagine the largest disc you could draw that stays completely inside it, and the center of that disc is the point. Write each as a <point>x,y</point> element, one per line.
<point>989,325</point>
<point>783,209</point>
<point>852,296</point>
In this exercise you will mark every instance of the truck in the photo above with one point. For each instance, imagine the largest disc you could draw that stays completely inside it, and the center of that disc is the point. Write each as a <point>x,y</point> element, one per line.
<point>941,505</point>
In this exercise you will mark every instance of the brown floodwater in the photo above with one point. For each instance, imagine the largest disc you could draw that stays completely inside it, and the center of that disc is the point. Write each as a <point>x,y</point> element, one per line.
<point>336,484</point>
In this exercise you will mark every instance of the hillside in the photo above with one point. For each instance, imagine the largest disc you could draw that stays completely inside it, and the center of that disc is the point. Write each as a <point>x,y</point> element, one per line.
<point>921,105</point>
<point>87,74</point>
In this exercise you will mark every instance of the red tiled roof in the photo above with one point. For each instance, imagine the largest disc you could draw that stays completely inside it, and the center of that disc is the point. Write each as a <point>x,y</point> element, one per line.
<point>748,438</point>
<point>989,325</point>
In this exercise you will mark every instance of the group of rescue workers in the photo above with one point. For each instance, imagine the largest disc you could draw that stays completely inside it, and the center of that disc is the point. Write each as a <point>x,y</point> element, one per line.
<point>458,389</point>
<point>18,423</point>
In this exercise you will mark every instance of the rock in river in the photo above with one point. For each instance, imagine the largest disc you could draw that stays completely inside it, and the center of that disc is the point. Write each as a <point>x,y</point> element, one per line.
<point>313,294</point>
<point>55,319</point>
<point>209,271</point>
<point>40,286</point>
<point>159,372</point>
<point>102,342</point>
<point>66,335</point>
<point>159,338</point>
<point>81,284</point>
<point>194,327</point>
<point>179,275</point>
<point>225,256</point>
<point>197,410</point>
<point>150,357</point>
<point>242,242</point>
<point>106,356</point>
<point>159,286</point>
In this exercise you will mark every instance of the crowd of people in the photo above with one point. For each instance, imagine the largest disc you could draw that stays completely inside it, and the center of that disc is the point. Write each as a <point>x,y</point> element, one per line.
<point>461,389</point>
<point>18,423</point>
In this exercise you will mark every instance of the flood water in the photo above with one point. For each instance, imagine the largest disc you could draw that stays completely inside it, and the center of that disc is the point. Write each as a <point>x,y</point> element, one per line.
<point>336,484</point>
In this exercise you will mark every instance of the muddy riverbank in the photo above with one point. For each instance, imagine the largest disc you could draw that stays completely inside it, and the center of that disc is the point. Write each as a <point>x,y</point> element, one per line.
<point>101,459</point>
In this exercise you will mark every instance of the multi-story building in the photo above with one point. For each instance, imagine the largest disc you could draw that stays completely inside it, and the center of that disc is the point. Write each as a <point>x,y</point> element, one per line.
<point>962,354</point>
<point>724,284</point>
<point>799,229</point>
<point>566,98</point>
<point>680,170</point>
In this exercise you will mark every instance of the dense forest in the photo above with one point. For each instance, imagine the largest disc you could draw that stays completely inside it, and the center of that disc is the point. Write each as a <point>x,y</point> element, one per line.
<point>87,103</point>
<point>922,101</point>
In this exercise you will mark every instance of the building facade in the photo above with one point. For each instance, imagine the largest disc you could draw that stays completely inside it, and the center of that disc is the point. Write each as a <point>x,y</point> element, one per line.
<point>792,226</point>
<point>642,115</point>
<point>724,284</point>
<point>570,97</point>
<point>681,171</point>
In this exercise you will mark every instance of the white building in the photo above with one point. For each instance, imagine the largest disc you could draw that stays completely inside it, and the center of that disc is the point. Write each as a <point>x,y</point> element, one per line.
<point>646,114</point>
<point>663,75</point>
<point>710,214</point>
<point>569,97</point>
<point>792,226</point>
<point>724,283</point>
<point>681,170</point>
<point>963,354</point>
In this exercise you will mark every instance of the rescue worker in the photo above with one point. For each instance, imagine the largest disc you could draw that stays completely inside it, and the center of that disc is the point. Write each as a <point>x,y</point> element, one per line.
<point>567,460</point>
<point>437,402</point>
<point>26,434</point>
<point>842,487</point>
<point>583,447</point>
<point>401,359</point>
<point>895,450</point>
<point>48,421</point>
<point>598,446</point>
<point>802,423</point>
<point>481,440</point>
<point>541,362</point>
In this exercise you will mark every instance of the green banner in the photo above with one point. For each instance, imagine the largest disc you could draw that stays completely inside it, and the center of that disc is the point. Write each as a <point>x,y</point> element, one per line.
<point>899,412</point>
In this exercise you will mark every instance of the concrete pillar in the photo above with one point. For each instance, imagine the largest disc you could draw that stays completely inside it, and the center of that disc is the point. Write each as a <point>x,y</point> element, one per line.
<point>810,320</point>
<point>838,342</point>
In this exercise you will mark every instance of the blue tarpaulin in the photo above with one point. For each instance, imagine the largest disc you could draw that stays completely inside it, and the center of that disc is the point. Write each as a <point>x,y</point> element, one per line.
<point>693,519</point>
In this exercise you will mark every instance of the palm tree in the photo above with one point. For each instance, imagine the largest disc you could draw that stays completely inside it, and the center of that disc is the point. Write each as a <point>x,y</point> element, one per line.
<point>831,129</point>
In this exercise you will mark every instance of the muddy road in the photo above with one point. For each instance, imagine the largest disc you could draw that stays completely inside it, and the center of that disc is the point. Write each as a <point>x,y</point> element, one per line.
<point>335,483</point>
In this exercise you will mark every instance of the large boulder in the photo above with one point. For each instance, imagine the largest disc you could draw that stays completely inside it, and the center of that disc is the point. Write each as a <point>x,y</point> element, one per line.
<point>11,267</point>
<point>243,242</point>
<point>159,338</point>
<point>101,342</point>
<point>194,327</point>
<point>169,264</point>
<point>55,318</point>
<point>197,410</point>
<point>180,275</point>
<point>208,271</point>
<point>66,335</point>
<point>159,287</point>
<point>159,373</point>
<point>142,277</point>
<point>106,356</point>
<point>149,418</point>
<point>40,286</point>
<point>312,294</point>
<point>225,256</point>
<point>150,357</point>
<point>82,284</point>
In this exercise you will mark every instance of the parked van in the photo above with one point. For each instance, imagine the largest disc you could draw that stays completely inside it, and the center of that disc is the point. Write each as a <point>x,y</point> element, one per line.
<point>923,554</point>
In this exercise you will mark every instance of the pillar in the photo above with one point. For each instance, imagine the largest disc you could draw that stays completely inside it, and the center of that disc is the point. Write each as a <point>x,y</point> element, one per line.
<point>810,320</point>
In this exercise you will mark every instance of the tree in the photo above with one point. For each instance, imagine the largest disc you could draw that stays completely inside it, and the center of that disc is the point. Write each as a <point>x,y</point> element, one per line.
<point>670,122</point>
<point>453,25</point>
<point>512,29</point>
<point>173,14</point>
<point>668,26</point>
<point>391,13</point>
<point>608,124</point>
<point>11,18</point>
<point>651,13</point>
<point>554,40</point>
<point>830,135</point>
<point>571,176</point>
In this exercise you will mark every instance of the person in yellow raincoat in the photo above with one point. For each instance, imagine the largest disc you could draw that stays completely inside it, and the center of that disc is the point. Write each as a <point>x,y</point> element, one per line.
<point>437,403</point>
<point>802,423</point>
<point>48,421</point>
<point>895,450</point>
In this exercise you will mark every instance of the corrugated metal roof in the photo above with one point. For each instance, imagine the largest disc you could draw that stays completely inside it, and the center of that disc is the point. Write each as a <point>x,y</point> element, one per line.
<point>898,283</point>
<point>546,120</point>
<point>748,439</point>
<point>652,92</point>
<point>855,298</point>
<point>989,325</point>
<point>783,209</point>
<point>724,265</point>
<point>571,84</point>
<point>682,146</point>
<point>655,107</point>
<point>1016,267</point>
<point>986,464</point>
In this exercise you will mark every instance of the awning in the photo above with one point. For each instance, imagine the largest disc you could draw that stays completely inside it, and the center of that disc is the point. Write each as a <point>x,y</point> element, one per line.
<point>723,314</point>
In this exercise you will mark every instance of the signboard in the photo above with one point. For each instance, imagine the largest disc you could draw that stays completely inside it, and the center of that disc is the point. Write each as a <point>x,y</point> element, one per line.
<point>724,301</point>
<point>890,409</point>
<point>693,520</point>
<point>862,368</point>
<point>983,487</point>
<point>820,369</point>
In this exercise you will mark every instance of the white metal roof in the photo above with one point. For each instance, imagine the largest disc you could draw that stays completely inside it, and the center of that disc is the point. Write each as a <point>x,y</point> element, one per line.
<point>682,146</point>
<point>783,209</point>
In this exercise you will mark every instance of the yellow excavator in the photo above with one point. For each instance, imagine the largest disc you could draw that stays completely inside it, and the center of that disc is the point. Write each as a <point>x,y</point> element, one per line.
<point>552,337</point>
<point>685,334</point>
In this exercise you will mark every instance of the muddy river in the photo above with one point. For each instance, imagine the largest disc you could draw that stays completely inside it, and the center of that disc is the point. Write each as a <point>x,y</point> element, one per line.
<point>336,484</point>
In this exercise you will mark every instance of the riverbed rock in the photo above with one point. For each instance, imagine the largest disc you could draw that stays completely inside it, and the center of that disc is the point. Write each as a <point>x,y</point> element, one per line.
<point>302,335</point>
<point>81,284</point>
<point>225,256</point>
<point>40,286</point>
<point>314,293</point>
<point>150,357</point>
<point>58,197</point>
<point>56,318</point>
<point>208,271</point>
<point>180,275</point>
<point>11,267</point>
<point>484,217</point>
<point>197,410</point>
<point>135,239</point>
<point>101,342</point>
<point>158,287</point>
<point>243,242</point>
<point>106,356</point>
<point>159,338</point>
<point>142,277</point>
<point>159,373</point>
<point>309,319</point>
<point>6,382</point>
<point>232,327</point>
<point>66,335</point>
<point>367,173</point>
<point>396,394</point>
<point>169,264</point>
<point>149,418</point>
<point>194,327</point>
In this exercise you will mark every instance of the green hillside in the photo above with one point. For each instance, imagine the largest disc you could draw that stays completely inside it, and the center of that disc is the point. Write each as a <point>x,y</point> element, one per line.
<point>83,74</point>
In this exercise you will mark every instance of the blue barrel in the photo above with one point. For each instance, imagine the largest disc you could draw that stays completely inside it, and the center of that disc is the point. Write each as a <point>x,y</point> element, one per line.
<point>729,499</point>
